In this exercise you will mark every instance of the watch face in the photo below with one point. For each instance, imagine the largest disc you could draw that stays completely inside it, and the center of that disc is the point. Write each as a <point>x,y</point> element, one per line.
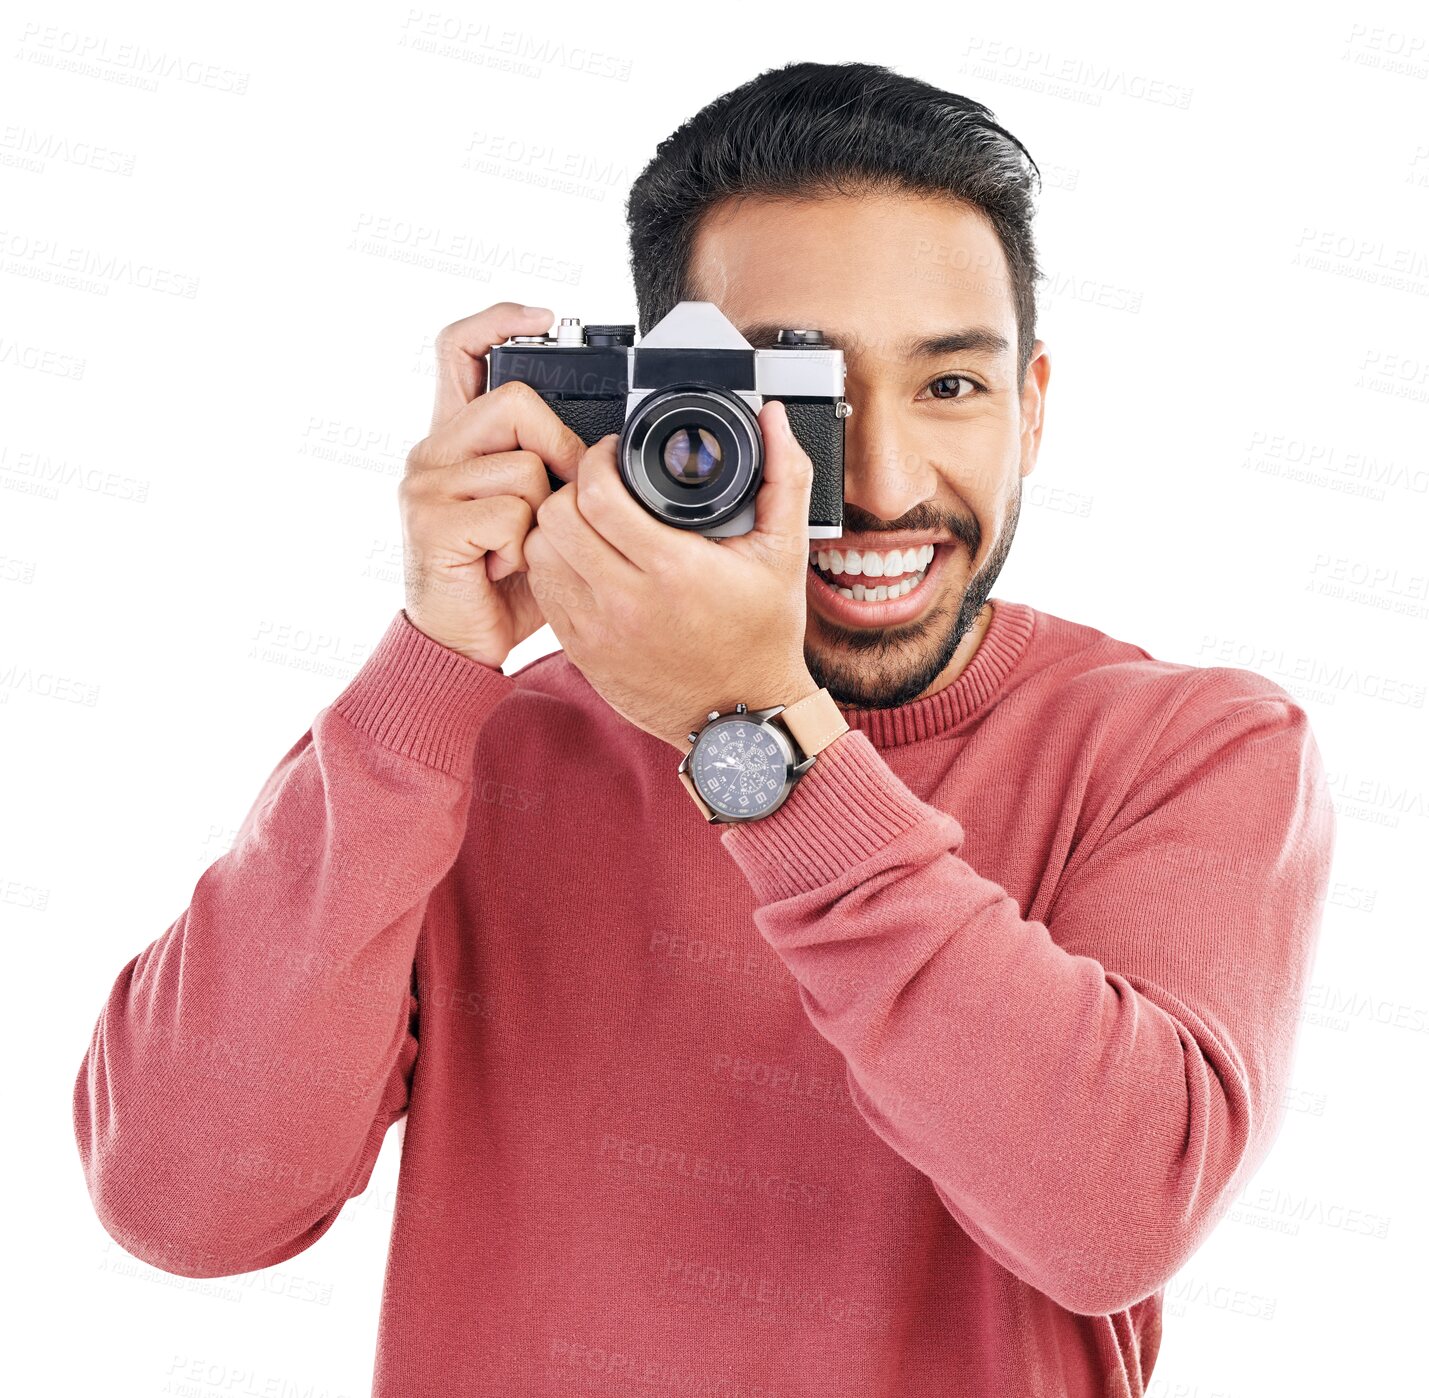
<point>740,768</point>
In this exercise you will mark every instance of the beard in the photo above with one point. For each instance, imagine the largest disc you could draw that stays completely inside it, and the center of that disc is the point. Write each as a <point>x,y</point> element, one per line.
<point>872,668</point>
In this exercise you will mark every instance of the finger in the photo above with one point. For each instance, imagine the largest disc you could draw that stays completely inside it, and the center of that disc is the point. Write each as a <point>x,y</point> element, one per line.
<point>781,508</point>
<point>513,417</point>
<point>618,517</point>
<point>467,529</point>
<point>572,536</point>
<point>559,591</point>
<point>520,473</point>
<point>462,348</point>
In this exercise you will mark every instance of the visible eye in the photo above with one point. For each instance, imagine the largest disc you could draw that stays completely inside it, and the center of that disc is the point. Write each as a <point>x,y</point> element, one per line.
<point>969,388</point>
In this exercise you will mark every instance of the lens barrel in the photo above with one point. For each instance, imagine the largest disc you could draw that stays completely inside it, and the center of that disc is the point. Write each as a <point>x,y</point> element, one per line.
<point>693,455</point>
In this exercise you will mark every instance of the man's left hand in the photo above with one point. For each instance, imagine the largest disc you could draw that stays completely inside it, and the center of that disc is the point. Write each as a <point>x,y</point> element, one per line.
<point>665,623</point>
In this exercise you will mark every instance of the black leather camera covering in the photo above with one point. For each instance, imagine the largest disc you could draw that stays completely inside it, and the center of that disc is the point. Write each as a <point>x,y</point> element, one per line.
<point>816,424</point>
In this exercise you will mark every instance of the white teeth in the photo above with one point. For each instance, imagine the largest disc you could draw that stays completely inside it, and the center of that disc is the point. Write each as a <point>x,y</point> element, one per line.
<point>908,566</point>
<point>884,591</point>
<point>856,563</point>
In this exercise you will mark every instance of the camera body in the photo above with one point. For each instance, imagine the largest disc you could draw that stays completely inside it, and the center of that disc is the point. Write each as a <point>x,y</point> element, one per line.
<point>684,401</point>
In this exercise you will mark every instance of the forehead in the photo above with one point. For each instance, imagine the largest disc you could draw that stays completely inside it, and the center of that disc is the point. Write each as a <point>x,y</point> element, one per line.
<point>865,267</point>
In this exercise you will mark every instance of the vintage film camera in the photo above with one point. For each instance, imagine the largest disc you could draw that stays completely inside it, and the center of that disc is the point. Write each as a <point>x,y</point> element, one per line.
<point>684,402</point>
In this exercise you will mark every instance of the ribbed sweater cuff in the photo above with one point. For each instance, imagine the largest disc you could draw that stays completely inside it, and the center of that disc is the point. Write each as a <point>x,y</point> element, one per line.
<point>850,806</point>
<point>422,699</point>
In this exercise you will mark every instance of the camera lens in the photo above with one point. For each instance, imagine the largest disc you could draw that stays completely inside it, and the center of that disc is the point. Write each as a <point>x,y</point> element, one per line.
<point>691,455</point>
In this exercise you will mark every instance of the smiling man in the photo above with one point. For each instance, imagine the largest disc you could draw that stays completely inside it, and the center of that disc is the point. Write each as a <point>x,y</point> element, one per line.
<point>818,976</point>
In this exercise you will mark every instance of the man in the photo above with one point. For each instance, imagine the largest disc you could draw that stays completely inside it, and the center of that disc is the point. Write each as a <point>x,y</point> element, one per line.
<point>923,1082</point>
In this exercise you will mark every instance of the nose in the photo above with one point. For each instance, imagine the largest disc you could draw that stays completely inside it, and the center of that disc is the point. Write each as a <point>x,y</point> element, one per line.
<point>883,472</point>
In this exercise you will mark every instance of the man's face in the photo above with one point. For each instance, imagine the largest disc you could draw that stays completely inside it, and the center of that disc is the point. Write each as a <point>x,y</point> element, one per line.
<point>939,440</point>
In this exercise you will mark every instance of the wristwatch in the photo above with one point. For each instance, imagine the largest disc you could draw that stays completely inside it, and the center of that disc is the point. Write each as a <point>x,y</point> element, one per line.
<point>743,763</point>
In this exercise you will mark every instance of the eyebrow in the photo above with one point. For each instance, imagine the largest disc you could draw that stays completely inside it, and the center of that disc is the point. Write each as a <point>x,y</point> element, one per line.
<point>976,339</point>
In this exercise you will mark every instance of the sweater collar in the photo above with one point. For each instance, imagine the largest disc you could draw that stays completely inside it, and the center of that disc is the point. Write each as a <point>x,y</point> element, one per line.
<point>1001,647</point>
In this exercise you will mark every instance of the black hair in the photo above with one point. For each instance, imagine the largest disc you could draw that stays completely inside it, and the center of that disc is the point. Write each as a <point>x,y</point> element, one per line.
<point>817,129</point>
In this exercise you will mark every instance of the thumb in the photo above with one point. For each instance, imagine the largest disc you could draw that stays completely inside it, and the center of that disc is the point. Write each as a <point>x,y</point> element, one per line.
<point>781,508</point>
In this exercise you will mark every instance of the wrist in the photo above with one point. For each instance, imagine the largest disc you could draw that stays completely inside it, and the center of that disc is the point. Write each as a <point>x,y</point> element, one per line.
<point>791,688</point>
<point>489,657</point>
<point>763,692</point>
<point>742,763</point>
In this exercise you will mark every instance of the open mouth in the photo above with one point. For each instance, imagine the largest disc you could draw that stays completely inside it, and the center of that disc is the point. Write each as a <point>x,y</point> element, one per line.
<point>868,587</point>
<point>873,576</point>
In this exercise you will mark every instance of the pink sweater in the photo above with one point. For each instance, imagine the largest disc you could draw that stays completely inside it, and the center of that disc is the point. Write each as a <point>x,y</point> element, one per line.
<point>925,1084</point>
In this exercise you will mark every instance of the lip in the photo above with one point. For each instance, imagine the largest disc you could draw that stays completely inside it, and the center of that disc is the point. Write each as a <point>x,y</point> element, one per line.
<point>879,543</point>
<point>849,611</point>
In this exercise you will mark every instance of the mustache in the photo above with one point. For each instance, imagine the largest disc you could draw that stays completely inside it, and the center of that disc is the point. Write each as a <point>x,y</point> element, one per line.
<point>922,518</point>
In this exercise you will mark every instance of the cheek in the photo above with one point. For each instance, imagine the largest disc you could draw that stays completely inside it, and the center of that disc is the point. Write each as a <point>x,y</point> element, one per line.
<point>974,459</point>
<point>995,451</point>
<point>997,443</point>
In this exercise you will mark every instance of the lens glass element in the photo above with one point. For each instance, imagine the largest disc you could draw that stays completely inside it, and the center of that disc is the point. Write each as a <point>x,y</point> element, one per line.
<point>691,455</point>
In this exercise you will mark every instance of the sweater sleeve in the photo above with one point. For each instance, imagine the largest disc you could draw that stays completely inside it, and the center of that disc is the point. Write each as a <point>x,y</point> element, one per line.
<point>248,1062</point>
<point>1087,1094</point>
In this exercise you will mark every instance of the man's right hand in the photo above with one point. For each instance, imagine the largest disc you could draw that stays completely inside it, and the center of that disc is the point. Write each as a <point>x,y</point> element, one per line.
<point>471,490</point>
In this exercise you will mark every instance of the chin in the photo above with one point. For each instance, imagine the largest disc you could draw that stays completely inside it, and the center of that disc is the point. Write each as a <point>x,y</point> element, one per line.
<point>883,668</point>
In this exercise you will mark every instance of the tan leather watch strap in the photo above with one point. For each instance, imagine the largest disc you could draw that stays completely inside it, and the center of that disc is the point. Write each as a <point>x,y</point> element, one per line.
<point>814,721</point>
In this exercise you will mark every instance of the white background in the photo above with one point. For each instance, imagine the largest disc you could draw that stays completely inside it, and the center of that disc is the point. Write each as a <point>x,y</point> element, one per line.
<point>199,533</point>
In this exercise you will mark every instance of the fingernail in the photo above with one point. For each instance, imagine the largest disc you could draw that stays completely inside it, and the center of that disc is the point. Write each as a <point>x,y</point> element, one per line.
<point>532,310</point>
